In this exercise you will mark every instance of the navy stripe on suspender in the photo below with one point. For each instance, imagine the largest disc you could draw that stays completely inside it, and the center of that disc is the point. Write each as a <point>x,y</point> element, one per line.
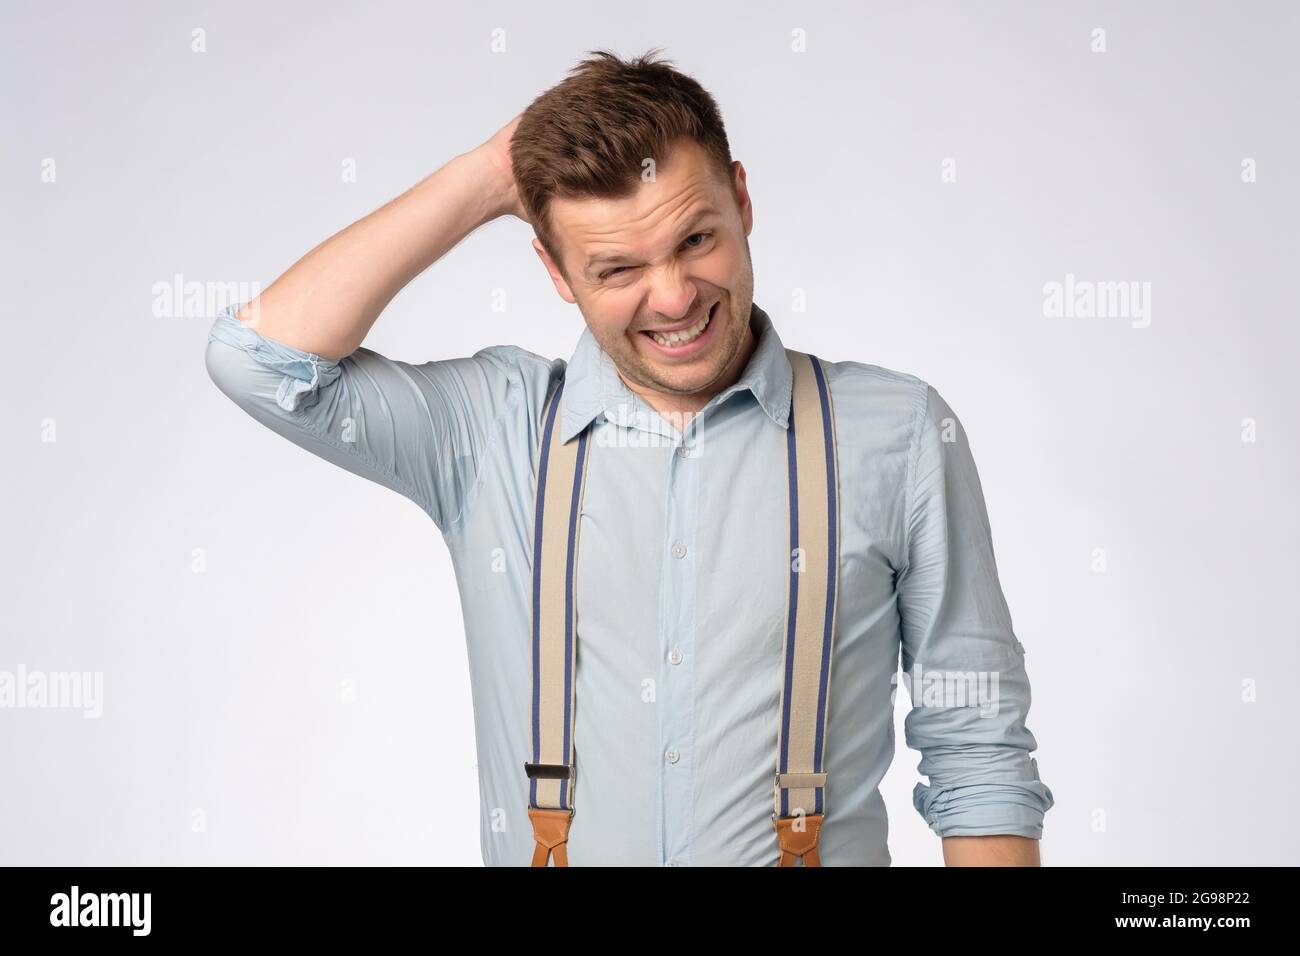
<point>793,468</point>
<point>832,565</point>
<point>569,609</point>
<point>539,508</point>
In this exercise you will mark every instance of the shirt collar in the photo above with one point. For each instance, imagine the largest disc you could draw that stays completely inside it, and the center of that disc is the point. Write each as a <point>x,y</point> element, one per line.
<point>593,387</point>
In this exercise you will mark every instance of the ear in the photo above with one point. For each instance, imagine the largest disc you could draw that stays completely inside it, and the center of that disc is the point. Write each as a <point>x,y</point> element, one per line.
<point>557,276</point>
<point>742,196</point>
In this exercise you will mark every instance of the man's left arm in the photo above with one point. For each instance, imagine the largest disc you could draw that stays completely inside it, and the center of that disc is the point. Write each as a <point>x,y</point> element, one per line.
<point>962,663</point>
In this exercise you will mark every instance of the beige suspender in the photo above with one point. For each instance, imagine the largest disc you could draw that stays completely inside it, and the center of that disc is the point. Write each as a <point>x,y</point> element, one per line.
<point>800,777</point>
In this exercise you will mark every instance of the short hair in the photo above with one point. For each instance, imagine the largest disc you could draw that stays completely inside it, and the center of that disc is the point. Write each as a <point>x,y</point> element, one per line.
<point>588,136</point>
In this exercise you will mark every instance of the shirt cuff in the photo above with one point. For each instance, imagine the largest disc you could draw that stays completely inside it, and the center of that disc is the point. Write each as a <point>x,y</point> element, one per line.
<point>305,373</point>
<point>985,809</point>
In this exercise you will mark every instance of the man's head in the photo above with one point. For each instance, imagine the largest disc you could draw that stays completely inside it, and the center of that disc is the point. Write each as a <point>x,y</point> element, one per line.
<point>642,220</point>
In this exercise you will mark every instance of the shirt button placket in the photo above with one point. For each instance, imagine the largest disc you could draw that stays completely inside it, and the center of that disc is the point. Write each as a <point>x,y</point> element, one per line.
<point>677,682</point>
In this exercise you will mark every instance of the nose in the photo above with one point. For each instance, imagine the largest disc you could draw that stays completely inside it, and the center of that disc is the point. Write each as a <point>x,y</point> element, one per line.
<point>671,296</point>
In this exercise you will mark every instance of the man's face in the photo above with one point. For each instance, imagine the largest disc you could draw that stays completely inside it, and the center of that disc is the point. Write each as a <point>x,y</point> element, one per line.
<point>672,257</point>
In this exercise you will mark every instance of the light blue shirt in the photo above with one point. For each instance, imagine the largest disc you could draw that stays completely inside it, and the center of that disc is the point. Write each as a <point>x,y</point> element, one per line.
<point>682,582</point>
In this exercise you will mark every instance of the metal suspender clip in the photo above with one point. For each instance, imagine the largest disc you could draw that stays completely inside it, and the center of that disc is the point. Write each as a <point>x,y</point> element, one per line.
<point>798,780</point>
<point>549,771</point>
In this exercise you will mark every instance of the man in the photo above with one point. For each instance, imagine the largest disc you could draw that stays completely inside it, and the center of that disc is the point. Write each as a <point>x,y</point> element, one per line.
<point>685,390</point>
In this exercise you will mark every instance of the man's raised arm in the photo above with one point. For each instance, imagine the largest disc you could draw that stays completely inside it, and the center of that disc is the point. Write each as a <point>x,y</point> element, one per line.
<point>292,358</point>
<point>328,300</point>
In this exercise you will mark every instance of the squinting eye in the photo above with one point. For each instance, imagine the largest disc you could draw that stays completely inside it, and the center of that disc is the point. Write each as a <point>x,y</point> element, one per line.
<point>617,269</point>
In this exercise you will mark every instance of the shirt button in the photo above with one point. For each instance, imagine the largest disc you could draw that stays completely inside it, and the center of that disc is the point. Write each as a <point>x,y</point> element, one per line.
<point>679,550</point>
<point>684,451</point>
<point>673,756</point>
<point>675,656</point>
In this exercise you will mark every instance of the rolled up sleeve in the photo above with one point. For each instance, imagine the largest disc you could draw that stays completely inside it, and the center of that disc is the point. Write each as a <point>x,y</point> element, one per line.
<point>420,430</point>
<point>962,663</point>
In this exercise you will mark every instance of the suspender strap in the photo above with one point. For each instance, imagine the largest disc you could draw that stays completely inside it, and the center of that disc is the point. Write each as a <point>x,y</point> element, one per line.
<point>557,503</point>
<point>800,783</point>
<point>810,620</point>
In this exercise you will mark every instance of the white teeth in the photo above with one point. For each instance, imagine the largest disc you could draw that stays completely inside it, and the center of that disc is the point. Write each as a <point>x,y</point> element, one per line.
<point>685,335</point>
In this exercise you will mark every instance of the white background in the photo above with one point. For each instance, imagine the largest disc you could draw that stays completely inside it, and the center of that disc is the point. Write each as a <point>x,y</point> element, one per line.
<point>226,737</point>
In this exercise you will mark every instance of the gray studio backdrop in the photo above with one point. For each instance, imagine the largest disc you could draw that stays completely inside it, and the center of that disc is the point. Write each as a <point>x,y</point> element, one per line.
<point>275,669</point>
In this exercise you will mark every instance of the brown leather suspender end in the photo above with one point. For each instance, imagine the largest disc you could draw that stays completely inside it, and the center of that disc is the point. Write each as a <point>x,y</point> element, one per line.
<point>551,830</point>
<point>796,842</point>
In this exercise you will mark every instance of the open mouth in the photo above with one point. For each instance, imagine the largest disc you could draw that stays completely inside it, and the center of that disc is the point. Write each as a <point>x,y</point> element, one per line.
<point>686,340</point>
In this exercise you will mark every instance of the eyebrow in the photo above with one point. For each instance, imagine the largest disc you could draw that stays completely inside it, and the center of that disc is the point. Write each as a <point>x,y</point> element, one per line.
<point>690,229</point>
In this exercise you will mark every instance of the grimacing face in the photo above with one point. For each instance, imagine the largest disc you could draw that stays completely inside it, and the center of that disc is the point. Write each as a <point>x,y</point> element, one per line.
<point>664,259</point>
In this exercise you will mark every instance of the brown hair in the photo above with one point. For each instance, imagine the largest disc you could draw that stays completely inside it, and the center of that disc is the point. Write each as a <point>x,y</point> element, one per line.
<point>587,136</point>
